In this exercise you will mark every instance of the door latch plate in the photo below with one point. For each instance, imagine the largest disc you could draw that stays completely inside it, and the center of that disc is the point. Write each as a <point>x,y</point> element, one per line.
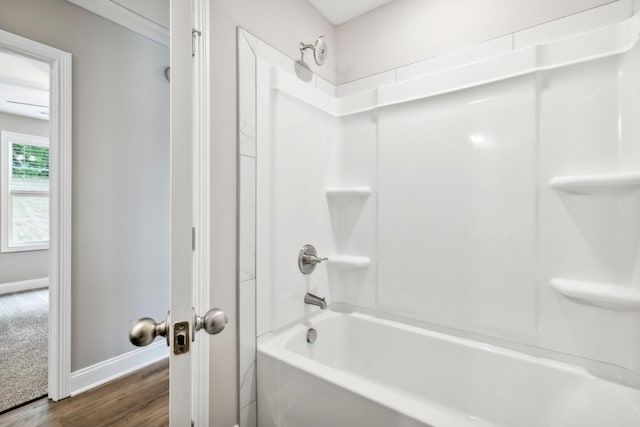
<point>181,337</point>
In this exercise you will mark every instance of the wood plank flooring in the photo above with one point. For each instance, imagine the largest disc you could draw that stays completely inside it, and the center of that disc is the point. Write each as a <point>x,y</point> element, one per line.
<point>139,399</point>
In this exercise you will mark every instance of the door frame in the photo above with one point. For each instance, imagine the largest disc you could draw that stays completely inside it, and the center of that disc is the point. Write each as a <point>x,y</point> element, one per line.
<point>60,145</point>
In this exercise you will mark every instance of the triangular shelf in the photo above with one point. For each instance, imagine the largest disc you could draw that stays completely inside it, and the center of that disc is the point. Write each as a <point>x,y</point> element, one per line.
<point>597,183</point>
<point>604,295</point>
<point>347,193</point>
<point>348,262</point>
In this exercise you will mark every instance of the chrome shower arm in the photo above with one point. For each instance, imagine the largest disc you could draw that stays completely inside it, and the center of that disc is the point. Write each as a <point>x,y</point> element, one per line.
<point>304,46</point>
<point>319,50</point>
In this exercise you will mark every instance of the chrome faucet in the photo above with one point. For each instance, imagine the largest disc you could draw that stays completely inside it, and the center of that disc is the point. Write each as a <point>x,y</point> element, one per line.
<point>315,300</point>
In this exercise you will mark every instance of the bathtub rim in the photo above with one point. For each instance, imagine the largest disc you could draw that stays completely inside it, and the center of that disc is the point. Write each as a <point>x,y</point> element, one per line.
<point>589,368</point>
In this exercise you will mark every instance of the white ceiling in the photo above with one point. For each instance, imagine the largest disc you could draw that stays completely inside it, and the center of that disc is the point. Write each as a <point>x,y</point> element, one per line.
<point>341,11</point>
<point>24,86</point>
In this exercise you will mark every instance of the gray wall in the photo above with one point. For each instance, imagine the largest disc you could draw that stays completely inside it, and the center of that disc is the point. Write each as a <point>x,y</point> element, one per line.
<point>120,171</point>
<point>405,31</point>
<point>18,266</point>
<point>283,24</point>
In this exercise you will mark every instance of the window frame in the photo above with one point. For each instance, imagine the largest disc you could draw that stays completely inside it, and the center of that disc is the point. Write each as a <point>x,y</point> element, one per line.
<point>6,211</point>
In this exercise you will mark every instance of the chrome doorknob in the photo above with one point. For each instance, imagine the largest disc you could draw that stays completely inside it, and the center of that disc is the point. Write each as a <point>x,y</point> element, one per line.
<point>145,330</point>
<point>213,322</point>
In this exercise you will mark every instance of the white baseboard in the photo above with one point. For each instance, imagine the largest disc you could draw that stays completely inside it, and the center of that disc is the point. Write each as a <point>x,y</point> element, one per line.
<point>111,369</point>
<point>24,285</point>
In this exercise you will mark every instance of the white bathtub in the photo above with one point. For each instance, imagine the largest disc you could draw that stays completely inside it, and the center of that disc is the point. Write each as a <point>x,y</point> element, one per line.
<point>370,372</point>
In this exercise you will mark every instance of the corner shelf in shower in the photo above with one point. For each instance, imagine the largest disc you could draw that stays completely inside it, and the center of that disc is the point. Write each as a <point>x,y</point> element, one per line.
<point>604,295</point>
<point>597,183</point>
<point>348,193</point>
<point>349,262</point>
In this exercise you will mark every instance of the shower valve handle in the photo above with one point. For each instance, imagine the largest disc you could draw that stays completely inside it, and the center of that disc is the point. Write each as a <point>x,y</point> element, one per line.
<point>308,259</point>
<point>312,259</point>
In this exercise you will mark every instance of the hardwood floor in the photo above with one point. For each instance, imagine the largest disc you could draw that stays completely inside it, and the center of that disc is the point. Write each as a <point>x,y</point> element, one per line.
<point>139,399</point>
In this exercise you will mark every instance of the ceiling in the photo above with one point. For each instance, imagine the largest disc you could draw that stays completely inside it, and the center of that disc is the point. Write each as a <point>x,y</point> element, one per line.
<point>24,86</point>
<point>341,11</point>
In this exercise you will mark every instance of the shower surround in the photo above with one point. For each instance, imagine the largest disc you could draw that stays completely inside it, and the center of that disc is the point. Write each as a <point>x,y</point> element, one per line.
<point>485,200</point>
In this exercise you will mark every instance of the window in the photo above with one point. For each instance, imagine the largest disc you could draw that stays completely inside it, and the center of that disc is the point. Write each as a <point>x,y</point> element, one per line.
<point>24,179</point>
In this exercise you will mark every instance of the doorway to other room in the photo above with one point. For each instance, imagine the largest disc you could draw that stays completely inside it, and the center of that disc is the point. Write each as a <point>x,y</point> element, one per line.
<point>24,228</point>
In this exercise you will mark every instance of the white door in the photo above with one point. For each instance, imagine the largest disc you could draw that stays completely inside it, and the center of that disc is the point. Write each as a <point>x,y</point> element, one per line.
<point>181,93</point>
<point>182,323</point>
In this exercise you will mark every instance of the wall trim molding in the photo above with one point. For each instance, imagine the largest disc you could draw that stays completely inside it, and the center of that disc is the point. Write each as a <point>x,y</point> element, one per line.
<point>126,18</point>
<point>60,205</point>
<point>24,285</point>
<point>108,370</point>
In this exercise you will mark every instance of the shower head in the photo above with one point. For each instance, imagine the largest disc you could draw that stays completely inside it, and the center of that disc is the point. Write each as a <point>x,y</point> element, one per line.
<point>319,49</point>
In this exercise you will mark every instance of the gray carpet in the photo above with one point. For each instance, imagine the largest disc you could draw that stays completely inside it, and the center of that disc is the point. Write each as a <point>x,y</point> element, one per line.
<point>23,347</point>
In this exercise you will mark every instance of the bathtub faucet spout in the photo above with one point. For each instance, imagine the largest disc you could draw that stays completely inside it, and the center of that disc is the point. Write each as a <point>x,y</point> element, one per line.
<point>315,300</point>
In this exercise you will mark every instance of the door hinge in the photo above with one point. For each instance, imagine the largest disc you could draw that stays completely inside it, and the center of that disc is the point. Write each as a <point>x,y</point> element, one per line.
<point>194,33</point>
<point>193,238</point>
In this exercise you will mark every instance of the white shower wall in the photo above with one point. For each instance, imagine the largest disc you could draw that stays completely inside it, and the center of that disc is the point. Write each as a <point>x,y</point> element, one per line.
<point>297,151</point>
<point>276,131</point>
<point>481,233</point>
<point>587,126</point>
<point>457,209</point>
<point>354,218</point>
<point>301,153</point>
